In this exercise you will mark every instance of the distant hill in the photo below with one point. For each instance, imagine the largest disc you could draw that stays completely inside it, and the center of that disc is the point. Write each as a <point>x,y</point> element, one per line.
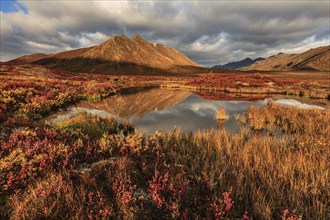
<point>314,59</point>
<point>119,55</point>
<point>238,64</point>
<point>30,58</point>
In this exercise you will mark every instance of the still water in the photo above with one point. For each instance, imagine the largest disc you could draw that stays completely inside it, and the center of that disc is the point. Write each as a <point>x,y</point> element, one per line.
<point>165,110</point>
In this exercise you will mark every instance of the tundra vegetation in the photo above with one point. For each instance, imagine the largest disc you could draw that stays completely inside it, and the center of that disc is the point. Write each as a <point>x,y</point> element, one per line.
<point>86,167</point>
<point>295,84</point>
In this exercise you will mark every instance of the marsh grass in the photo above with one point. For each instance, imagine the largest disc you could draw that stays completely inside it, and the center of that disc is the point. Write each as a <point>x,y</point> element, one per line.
<point>93,126</point>
<point>267,174</point>
<point>290,119</point>
<point>193,176</point>
<point>222,114</point>
<point>241,118</point>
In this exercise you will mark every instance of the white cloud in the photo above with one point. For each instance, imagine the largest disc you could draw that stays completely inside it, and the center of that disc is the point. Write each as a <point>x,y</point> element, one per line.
<point>39,46</point>
<point>89,39</point>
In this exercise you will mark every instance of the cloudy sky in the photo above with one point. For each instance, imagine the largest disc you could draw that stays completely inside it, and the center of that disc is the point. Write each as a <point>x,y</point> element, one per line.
<point>209,32</point>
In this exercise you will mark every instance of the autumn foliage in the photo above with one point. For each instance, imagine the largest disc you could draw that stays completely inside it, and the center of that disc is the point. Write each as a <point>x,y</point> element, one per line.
<point>88,167</point>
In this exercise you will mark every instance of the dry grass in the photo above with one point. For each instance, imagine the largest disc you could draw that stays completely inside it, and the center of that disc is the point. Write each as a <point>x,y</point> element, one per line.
<point>267,174</point>
<point>222,114</point>
<point>290,119</point>
<point>57,197</point>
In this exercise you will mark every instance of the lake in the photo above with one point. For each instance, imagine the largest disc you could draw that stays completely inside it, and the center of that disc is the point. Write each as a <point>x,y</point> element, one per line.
<point>159,109</point>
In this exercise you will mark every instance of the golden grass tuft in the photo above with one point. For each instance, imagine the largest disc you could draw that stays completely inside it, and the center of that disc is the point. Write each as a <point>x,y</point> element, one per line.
<point>222,114</point>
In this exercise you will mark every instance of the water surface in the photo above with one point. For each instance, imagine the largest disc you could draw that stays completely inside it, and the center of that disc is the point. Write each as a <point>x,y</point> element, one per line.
<point>165,110</point>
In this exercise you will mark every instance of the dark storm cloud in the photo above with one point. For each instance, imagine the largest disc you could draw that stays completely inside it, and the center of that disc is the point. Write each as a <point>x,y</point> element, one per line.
<point>208,32</point>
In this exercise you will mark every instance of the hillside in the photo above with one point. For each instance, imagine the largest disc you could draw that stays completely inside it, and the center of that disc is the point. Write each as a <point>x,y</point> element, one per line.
<point>238,64</point>
<point>314,59</point>
<point>29,58</point>
<point>120,55</point>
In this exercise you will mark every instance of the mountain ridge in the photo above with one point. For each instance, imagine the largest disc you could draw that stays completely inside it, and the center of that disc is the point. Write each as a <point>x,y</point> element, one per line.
<point>131,56</point>
<point>317,59</point>
<point>238,64</point>
<point>120,55</point>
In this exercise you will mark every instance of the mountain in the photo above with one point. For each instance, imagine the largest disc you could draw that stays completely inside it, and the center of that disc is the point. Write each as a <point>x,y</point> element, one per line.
<point>238,64</point>
<point>314,59</point>
<point>121,55</point>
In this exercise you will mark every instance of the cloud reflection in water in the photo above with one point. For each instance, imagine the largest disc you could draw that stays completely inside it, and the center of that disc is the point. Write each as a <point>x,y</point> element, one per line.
<point>193,113</point>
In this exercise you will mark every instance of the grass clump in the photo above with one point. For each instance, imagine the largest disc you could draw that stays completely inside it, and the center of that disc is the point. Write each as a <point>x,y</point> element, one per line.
<point>290,119</point>
<point>93,126</point>
<point>222,114</point>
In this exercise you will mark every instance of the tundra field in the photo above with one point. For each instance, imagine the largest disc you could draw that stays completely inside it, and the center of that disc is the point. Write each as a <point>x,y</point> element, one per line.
<point>87,167</point>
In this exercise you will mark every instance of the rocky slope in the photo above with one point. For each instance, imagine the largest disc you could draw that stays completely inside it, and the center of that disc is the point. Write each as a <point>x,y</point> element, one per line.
<point>314,59</point>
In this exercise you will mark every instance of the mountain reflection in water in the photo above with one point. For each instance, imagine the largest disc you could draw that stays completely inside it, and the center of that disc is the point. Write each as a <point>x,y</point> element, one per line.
<point>138,102</point>
<point>191,114</point>
<point>164,110</point>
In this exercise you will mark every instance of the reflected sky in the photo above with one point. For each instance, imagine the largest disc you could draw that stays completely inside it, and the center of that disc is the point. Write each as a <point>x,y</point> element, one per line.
<point>193,113</point>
